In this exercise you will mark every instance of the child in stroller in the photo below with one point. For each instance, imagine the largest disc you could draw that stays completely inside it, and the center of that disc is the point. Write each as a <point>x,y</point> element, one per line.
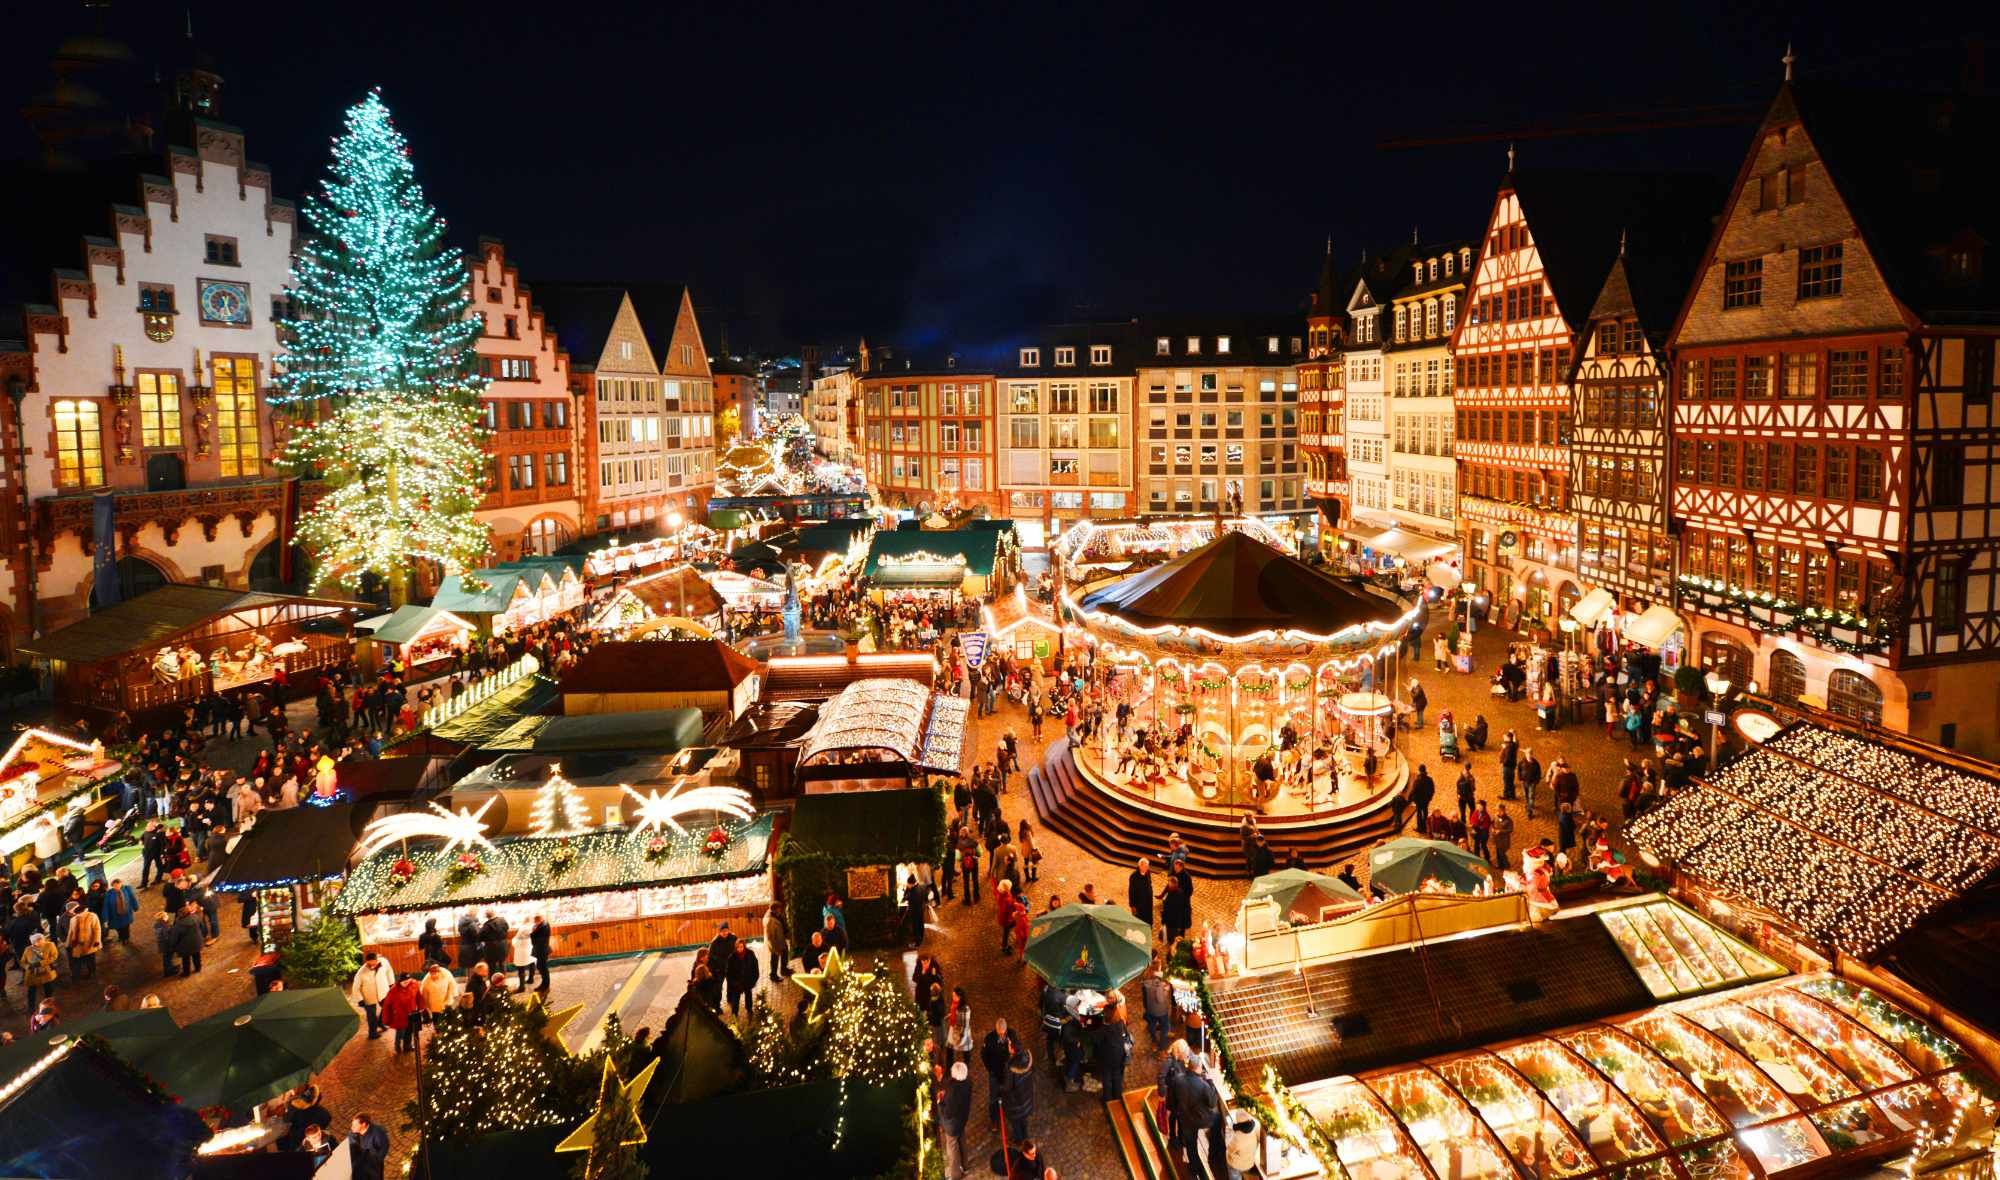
<point>1447,737</point>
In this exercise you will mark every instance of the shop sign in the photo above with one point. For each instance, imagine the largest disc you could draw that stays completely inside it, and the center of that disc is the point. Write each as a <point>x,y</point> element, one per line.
<point>1715,717</point>
<point>973,644</point>
<point>1043,649</point>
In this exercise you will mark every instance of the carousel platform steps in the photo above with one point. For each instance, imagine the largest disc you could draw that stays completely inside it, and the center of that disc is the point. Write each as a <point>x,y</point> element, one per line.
<point>1142,1142</point>
<point>1121,830</point>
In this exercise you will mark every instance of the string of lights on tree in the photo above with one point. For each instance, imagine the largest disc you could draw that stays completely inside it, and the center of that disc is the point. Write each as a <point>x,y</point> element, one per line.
<point>382,299</point>
<point>384,338</point>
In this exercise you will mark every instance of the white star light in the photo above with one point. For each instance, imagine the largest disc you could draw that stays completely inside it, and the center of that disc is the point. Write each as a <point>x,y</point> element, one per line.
<point>456,829</point>
<point>663,810</point>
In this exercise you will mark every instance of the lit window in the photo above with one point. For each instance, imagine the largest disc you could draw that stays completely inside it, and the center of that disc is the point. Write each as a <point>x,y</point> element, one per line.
<point>1030,357</point>
<point>79,445</point>
<point>1162,346</point>
<point>235,380</point>
<point>159,409</point>
<point>1222,345</point>
<point>1065,356</point>
<point>1194,345</point>
<point>1100,354</point>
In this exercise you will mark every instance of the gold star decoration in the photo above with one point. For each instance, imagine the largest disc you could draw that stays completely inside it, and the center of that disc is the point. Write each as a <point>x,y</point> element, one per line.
<point>582,1139</point>
<point>559,1019</point>
<point>819,982</point>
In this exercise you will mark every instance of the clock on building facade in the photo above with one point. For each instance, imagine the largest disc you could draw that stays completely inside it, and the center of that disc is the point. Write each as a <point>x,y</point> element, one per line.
<point>225,303</point>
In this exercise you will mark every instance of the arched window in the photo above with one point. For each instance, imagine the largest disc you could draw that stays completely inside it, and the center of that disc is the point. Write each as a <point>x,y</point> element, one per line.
<point>1726,658</point>
<point>136,576</point>
<point>1450,311</point>
<point>545,536</point>
<point>1851,694</point>
<point>1788,676</point>
<point>1431,317</point>
<point>1402,323</point>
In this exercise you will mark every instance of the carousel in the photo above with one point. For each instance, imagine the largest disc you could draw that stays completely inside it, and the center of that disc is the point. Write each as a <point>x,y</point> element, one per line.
<point>1280,676</point>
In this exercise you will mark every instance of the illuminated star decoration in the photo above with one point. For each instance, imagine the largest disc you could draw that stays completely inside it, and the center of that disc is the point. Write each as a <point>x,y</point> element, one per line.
<point>583,1138</point>
<point>456,829</point>
<point>820,982</point>
<point>559,1019</point>
<point>660,811</point>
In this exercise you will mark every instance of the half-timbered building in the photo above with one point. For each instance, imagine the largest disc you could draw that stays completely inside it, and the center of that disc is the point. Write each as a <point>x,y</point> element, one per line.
<point>1550,241</point>
<point>1323,398</point>
<point>1618,443</point>
<point>1834,433</point>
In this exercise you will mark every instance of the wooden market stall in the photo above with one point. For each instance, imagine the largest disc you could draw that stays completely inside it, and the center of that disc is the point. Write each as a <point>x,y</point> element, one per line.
<point>293,861</point>
<point>604,892</point>
<point>859,845</point>
<point>47,781</point>
<point>513,595</point>
<point>678,593</point>
<point>705,674</point>
<point>974,562</point>
<point>177,644</point>
<point>423,639</point>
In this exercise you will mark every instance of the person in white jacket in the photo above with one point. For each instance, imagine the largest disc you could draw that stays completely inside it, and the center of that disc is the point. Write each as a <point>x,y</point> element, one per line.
<point>523,953</point>
<point>371,983</point>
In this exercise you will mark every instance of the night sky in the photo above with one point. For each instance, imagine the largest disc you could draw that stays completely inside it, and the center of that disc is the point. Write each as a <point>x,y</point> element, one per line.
<point>821,172</point>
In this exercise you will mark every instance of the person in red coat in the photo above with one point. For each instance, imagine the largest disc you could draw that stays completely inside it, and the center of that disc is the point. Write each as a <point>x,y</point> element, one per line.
<point>1004,905</point>
<point>399,1012</point>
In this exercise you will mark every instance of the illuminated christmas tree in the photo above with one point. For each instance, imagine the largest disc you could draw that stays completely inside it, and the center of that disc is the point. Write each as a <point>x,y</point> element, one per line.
<point>559,810</point>
<point>383,337</point>
<point>876,1034</point>
<point>500,1075</point>
<point>382,300</point>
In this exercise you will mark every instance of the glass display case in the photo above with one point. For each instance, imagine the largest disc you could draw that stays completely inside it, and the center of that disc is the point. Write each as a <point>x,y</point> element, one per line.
<point>1674,1108</point>
<point>1365,1136</point>
<point>1924,1047</point>
<point>1738,1090</point>
<point>1776,1050</point>
<point>1677,953</point>
<point>1853,1050</point>
<point>1606,1122</point>
<point>1533,1133</point>
<point>1442,1126</point>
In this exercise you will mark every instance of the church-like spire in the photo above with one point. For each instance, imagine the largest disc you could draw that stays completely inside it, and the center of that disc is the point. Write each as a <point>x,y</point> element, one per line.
<point>1789,59</point>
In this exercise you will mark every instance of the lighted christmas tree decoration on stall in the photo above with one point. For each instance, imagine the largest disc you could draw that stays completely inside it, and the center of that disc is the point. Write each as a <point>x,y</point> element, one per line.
<point>559,810</point>
<point>383,340</point>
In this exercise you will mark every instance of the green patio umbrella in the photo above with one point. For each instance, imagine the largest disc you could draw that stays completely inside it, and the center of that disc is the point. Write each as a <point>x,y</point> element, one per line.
<point>1300,891</point>
<point>1093,946</point>
<point>131,1034</point>
<point>243,1055</point>
<point>1401,866</point>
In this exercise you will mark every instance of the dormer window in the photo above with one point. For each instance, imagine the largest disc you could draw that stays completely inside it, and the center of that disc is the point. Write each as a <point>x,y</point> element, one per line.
<point>1222,345</point>
<point>1419,269</point>
<point>1434,270</point>
<point>1100,354</point>
<point>1447,265</point>
<point>1194,345</point>
<point>1066,356</point>
<point>1031,357</point>
<point>1271,345</point>
<point>1162,346</point>
<point>1465,259</point>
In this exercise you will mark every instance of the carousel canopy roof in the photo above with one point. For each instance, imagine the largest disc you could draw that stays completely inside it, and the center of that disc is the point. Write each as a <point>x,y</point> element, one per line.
<point>1237,585</point>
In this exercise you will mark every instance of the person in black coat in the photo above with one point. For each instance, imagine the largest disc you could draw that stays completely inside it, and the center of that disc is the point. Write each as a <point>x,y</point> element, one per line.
<point>740,972</point>
<point>430,944</point>
<point>998,1049</point>
<point>1139,892</point>
<point>1422,791</point>
<point>493,942</point>
<point>1176,912</point>
<point>468,940</point>
<point>539,936</point>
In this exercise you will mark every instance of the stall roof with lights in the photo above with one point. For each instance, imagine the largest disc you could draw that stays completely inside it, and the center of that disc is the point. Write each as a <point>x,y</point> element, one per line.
<point>159,617</point>
<point>410,622</point>
<point>884,715</point>
<point>294,846</point>
<point>973,551</point>
<point>1237,586</point>
<point>1854,838</point>
<point>681,666</point>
